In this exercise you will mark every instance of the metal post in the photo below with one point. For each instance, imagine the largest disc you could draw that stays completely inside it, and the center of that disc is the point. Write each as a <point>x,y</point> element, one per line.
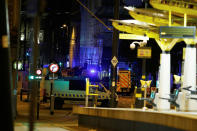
<point>34,82</point>
<point>38,100</point>
<point>16,21</point>
<point>185,19</point>
<point>96,97</point>
<point>170,18</point>
<point>144,69</point>
<point>114,55</point>
<point>87,92</point>
<point>5,77</point>
<point>33,96</point>
<point>144,78</point>
<point>34,10</point>
<point>145,91</point>
<point>52,104</point>
<point>52,100</point>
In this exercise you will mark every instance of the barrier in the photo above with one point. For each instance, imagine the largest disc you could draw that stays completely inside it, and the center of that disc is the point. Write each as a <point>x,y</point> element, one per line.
<point>90,94</point>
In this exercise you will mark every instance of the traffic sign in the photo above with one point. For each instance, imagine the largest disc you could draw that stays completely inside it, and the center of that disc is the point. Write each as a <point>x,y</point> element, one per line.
<point>54,68</point>
<point>144,52</point>
<point>38,71</point>
<point>114,61</point>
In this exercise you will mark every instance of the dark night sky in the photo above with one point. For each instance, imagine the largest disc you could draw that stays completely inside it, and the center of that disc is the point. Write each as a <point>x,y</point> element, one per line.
<point>67,11</point>
<point>59,12</point>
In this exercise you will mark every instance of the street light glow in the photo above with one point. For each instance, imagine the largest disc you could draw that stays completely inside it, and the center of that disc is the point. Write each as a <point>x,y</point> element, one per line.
<point>92,71</point>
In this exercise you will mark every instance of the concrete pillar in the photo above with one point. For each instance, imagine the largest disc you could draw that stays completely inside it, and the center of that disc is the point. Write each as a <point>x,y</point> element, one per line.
<point>164,82</point>
<point>189,79</point>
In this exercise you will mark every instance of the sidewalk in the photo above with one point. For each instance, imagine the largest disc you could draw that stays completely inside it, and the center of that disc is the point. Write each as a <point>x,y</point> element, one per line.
<point>25,128</point>
<point>62,120</point>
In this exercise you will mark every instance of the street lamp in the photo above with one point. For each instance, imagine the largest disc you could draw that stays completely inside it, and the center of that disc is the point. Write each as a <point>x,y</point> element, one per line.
<point>141,44</point>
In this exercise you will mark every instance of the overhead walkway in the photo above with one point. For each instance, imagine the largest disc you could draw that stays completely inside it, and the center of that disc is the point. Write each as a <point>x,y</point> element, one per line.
<point>178,6</point>
<point>145,29</point>
<point>153,16</point>
<point>136,27</point>
<point>169,13</point>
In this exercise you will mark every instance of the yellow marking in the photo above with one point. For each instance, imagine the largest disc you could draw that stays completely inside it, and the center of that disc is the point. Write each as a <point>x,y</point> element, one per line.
<point>177,78</point>
<point>93,94</point>
<point>87,86</point>
<point>167,44</point>
<point>148,83</point>
<point>93,85</point>
<point>138,95</point>
<point>184,53</point>
<point>190,41</point>
<point>5,41</point>
<point>142,83</point>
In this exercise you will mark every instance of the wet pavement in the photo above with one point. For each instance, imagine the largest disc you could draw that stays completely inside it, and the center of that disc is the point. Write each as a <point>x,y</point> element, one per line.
<point>61,120</point>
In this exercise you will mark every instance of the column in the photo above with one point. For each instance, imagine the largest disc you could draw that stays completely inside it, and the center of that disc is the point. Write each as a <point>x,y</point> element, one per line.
<point>164,82</point>
<point>189,79</point>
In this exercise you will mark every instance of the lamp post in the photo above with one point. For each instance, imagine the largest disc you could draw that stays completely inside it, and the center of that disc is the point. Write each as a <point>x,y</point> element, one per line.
<point>132,47</point>
<point>114,56</point>
<point>141,44</point>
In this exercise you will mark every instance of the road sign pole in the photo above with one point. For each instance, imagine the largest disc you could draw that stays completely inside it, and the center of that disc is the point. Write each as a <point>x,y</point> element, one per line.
<point>114,55</point>
<point>144,69</point>
<point>34,82</point>
<point>38,100</point>
<point>53,68</point>
<point>52,97</point>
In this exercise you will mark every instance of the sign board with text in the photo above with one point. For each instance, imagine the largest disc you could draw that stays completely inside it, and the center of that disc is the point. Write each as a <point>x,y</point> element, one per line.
<point>177,32</point>
<point>126,36</point>
<point>144,52</point>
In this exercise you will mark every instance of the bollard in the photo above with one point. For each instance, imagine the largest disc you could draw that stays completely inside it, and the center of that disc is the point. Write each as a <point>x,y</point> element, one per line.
<point>38,110</point>
<point>87,92</point>
<point>52,99</point>
<point>86,102</point>
<point>52,104</point>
